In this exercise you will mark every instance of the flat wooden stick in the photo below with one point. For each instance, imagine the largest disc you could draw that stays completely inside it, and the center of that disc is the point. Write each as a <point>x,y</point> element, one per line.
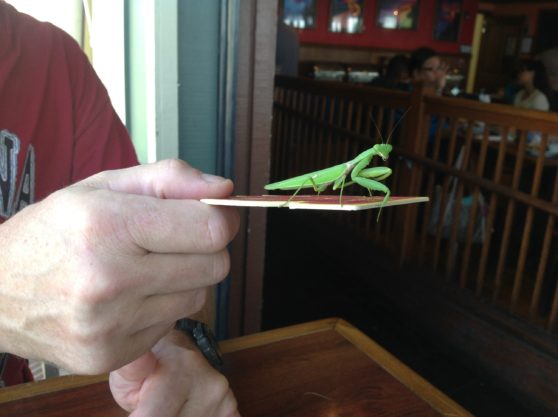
<point>313,202</point>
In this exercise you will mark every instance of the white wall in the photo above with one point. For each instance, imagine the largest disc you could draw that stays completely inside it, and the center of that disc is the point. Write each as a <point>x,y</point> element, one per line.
<point>106,33</point>
<point>107,37</point>
<point>65,14</point>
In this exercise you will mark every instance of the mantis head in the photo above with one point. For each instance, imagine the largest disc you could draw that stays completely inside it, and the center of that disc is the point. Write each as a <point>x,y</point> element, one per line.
<point>383,150</point>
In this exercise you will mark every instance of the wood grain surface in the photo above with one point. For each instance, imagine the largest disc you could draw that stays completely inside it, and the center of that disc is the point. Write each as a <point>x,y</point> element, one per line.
<point>323,368</point>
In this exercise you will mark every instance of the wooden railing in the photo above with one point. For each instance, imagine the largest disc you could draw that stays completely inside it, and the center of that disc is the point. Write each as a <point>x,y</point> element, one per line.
<point>512,191</point>
<point>505,249</point>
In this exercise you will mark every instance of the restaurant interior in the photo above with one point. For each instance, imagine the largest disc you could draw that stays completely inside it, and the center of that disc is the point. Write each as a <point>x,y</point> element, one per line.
<point>440,308</point>
<point>465,294</point>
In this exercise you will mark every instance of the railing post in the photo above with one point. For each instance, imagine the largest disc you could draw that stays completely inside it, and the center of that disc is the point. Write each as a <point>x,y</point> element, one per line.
<point>409,184</point>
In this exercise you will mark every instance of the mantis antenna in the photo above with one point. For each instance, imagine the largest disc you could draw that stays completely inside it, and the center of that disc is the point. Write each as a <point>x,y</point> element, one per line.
<point>392,129</point>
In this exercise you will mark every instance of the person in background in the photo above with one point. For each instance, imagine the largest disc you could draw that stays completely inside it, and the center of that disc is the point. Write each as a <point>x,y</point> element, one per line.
<point>99,256</point>
<point>396,75</point>
<point>535,87</point>
<point>506,95</point>
<point>286,52</point>
<point>426,66</point>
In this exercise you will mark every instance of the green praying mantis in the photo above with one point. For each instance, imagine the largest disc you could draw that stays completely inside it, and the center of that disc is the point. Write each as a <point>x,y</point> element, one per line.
<point>366,177</point>
<point>336,175</point>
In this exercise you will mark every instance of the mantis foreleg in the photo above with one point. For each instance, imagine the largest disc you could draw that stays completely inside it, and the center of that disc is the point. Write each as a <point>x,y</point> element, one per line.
<point>376,186</point>
<point>376,173</point>
<point>369,177</point>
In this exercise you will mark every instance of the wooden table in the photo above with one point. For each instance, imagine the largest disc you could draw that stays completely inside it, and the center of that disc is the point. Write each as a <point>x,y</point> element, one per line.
<point>322,368</point>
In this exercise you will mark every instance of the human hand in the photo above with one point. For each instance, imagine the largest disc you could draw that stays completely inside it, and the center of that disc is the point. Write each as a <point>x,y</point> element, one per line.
<point>172,381</point>
<point>441,76</point>
<point>95,274</point>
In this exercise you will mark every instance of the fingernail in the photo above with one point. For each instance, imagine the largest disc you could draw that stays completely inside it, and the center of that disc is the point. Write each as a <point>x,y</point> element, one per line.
<point>212,178</point>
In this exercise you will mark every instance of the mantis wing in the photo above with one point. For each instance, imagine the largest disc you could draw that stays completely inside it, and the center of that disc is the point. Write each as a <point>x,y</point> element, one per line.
<point>321,179</point>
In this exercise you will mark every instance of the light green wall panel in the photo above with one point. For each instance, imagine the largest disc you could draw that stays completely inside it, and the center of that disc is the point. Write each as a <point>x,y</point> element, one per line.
<point>136,80</point>
<point>198,44</point>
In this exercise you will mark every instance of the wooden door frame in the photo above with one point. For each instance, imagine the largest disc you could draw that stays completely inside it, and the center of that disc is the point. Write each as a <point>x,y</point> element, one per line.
<point>491,18</point>
<point>254,102</point>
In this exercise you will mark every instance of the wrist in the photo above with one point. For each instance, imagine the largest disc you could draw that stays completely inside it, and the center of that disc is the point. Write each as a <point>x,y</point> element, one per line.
<point>182,339</point>
<point>201,336</point>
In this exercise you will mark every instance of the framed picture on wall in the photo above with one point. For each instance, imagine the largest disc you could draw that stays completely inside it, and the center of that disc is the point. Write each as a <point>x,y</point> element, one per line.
<point>300,14</point>
<point>447,22</point>
<point>397,14</point>
<point>346,16</point>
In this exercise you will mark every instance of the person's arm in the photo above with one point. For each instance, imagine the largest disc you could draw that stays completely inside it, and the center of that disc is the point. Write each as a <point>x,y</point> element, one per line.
<point>517,99</point>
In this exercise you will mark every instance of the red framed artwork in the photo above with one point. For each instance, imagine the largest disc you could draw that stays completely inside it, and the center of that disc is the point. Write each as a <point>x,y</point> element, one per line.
<point>447,24</point>
<point>346,16</point>
<point>397,14</point>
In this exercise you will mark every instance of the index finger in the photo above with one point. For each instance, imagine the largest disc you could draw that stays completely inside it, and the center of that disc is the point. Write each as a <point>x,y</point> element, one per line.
<point>180,226</point>
<point>171,178</point>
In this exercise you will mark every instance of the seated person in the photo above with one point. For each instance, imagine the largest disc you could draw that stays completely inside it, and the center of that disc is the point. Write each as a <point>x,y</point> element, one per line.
<point>396,75</point>
<point>535,87</point>
<point>506,94</point>
<point>426,66</point>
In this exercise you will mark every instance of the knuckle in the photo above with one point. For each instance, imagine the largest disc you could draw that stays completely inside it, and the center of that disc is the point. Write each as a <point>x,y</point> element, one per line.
<point>94,287</point>
<point>219,386</point>
<point>174,165</point>
<point>197,301</point>
<point>221,265</point>
<point>231,407</point>
<point>86,331</point>
<point>76,217</point>
<point>222,225</point>
<point>171,168</point>
<point>216,230</point>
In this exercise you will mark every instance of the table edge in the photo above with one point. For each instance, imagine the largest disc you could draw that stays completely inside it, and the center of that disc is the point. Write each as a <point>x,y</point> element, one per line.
<point>276,335</point>
<point>416,383</point>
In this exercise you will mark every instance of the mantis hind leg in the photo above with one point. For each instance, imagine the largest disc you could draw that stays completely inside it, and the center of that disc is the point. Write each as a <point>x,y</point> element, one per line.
<point>317,188</point>
<point>341,192</point>
<point>372,185</point>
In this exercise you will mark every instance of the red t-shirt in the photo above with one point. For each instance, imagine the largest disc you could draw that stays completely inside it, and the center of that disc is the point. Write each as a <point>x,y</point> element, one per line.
<point>57,125</point>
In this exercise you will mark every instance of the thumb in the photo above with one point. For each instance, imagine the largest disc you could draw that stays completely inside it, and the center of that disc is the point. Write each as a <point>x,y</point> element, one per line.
<point>171,178</point>
<point>138,369</point>
<point>126,382</point>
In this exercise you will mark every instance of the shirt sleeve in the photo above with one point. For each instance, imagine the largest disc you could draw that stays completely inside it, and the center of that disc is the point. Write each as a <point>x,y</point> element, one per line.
<point>540,102</point>
<point>101,141</point>
<point>516,98</point>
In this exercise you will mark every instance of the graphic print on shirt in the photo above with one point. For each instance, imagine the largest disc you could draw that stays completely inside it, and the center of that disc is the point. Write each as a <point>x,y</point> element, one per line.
<point>10,202</point>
